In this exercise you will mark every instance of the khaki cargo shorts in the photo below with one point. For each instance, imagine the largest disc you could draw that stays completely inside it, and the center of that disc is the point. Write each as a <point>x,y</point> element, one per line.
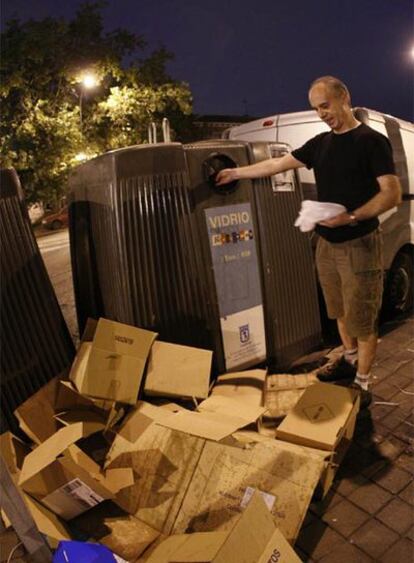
<point>351,277</point>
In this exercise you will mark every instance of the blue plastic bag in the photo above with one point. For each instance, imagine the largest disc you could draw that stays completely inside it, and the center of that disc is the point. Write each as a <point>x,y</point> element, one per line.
<point>82,552</point>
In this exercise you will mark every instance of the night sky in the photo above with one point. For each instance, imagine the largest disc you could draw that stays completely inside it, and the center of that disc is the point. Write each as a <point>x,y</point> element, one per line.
<point>258,57</point>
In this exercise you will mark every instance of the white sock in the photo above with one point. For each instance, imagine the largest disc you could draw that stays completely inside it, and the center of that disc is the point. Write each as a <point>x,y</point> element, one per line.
<point>351,355</point>
<point>362,380</point>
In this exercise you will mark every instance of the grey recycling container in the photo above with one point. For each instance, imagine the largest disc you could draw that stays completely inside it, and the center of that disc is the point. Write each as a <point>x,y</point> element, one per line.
<point>35,342</point>
<point>155,244</point>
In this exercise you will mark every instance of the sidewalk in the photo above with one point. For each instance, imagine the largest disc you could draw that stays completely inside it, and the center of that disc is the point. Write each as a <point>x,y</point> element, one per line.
<point>369,515</point>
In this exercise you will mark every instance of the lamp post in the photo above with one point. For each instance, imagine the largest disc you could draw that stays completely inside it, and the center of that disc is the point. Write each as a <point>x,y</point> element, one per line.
<point>87,82</point>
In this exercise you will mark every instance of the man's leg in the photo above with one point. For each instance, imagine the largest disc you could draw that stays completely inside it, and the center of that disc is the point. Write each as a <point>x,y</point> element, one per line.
<point>366,355</point>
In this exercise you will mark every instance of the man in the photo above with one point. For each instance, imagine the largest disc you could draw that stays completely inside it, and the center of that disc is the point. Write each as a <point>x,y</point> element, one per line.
<point>353,166</point>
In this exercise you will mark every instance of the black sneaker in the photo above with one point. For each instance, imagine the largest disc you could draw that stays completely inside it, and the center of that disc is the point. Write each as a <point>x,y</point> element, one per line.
<point>365,397</point>
<point>340,369</point>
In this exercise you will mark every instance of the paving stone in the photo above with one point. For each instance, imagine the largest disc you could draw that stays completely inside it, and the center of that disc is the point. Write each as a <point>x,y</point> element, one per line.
<point>346,553</point>
<point>383,390</point>
<point>383,413</point>
<point>400,552</point>
<point>391,447</point>
<point>410,533</point>
<point>346,486</point>
<point>370,497</point>
<point>407,494</point>
<point>397,515</point>
<point>374,538</point>
<point>405,461</point>
<point>318,539</point>
<point>393,418</point>
<point>332,498</point>
<point>345,517</point>
<point>392,479</point>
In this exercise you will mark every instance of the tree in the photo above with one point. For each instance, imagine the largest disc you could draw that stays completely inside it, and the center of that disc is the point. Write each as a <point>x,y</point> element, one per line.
<point>43,129</point>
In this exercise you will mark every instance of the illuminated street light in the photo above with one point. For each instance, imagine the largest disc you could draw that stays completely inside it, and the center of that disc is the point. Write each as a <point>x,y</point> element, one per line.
<point>87,82</point>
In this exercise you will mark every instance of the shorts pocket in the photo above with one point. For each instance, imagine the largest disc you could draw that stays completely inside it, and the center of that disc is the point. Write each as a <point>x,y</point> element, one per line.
<point>366,254</point>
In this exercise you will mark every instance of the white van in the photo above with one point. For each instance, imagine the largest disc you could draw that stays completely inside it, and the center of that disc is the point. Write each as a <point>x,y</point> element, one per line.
<point>397,224</point>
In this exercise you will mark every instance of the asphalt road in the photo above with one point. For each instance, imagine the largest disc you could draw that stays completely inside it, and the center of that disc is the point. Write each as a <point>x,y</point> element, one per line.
<point>54,247</point>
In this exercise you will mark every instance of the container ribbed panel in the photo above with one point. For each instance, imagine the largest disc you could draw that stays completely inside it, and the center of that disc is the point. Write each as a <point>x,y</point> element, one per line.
<point>289,276</point>
<point>35,341</point>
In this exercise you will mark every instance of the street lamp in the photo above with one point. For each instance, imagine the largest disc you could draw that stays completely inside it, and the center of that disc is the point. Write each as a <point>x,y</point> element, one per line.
<point>88,81</point>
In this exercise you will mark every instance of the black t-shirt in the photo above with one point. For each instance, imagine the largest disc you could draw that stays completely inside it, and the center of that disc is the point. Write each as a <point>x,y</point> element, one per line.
<point>346,167</point>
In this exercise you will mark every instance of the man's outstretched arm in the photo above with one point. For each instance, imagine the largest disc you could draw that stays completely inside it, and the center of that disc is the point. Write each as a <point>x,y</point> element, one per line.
<point>258,170</point>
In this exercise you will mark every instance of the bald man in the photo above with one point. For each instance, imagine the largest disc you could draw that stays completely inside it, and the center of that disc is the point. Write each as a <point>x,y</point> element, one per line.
<point>353,166</point>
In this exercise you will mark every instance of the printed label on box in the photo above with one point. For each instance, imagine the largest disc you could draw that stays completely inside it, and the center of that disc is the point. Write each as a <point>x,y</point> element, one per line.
<point>72,499</point>
<point>267,497</point>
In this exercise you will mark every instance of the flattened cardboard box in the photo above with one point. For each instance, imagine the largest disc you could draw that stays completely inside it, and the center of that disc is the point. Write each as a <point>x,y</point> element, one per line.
<point>323,418</point>
<point>112,364</point>
<point>178,371</point>
<point>64,479</point>
<point>185,483</point>
<point>253,539</point>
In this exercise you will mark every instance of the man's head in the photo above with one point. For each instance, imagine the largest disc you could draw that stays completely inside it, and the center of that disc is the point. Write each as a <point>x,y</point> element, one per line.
<point>332,101</point>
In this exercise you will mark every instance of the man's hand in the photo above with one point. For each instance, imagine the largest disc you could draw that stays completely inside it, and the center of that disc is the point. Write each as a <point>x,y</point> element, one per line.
<point>338,221</point>
<point>226,176</point>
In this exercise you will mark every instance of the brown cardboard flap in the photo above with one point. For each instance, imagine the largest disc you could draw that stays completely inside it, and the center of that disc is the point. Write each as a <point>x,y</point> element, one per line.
<point>252,538</point>
<point>47,452</point>
<point>47,522</point>
<point>39,428</point>
<point>320,416</point>
<point>178,371</point>
<point>217,417</point>
<point>246,386</point>
<point>13,451</point>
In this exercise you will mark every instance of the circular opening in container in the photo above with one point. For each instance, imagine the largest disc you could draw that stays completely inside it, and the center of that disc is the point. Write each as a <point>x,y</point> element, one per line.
<point>212,166</point>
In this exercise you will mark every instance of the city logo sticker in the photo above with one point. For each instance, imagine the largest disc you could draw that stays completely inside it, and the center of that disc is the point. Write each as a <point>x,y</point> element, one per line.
<point>244,333</point>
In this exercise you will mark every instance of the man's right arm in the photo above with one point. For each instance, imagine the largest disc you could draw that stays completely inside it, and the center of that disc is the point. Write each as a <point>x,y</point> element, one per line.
<point>259,170</point>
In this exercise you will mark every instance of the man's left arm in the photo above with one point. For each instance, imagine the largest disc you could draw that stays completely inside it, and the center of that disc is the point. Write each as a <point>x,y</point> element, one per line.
<point>388,197</point>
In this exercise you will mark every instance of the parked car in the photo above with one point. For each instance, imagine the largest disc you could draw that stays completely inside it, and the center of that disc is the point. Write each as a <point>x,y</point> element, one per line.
<point>57,220</point>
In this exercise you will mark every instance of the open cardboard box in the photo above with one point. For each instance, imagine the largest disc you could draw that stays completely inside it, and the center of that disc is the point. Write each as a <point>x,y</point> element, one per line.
<point>59,402</point>
<point>178,371</point>
<point>252,539</point>
<point>64,479</point>
<point>323,418</point>
<point>111,360</point>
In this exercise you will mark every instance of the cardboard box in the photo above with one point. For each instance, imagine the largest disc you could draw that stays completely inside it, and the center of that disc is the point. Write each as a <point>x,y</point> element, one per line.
<point>188,483</point>
<point>178,371</point>
<point>110,362</point>
<point>246,386</point>
<point>64,479</point>
<point>323,418</point>
<point>14,451</point>
<point>252,539</point>
<point>55,401</point>
<point>282,392</point>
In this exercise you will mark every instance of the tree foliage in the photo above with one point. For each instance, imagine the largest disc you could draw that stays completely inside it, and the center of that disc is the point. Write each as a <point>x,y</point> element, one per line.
<point>48,118</point>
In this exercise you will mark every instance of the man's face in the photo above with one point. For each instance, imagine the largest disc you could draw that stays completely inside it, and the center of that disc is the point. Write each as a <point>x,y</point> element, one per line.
<point>332,108</point>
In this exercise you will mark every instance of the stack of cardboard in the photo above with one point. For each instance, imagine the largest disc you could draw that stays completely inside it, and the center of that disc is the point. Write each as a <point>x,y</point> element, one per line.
<point>107,466</point>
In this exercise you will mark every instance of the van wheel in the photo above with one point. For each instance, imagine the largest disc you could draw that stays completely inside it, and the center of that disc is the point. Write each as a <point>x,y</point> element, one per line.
<point>399,290</point>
